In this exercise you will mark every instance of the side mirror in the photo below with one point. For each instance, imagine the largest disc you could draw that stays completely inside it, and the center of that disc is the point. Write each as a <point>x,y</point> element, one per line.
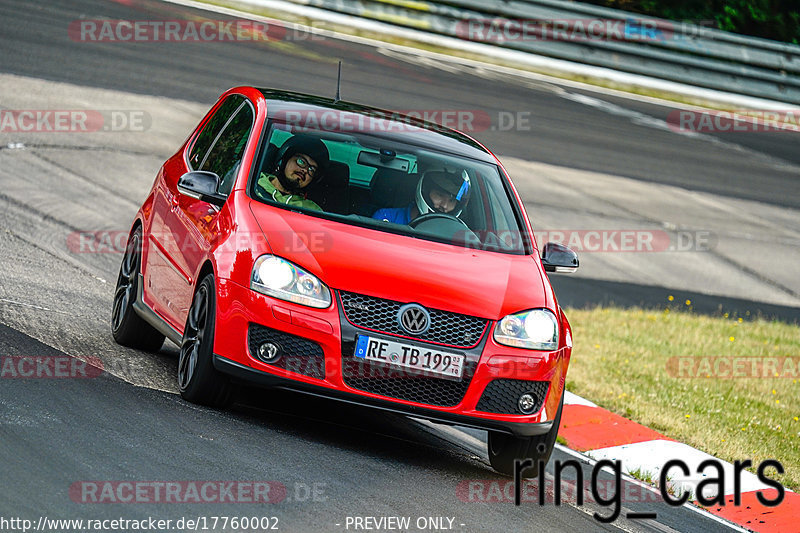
<point>201,185</point>
<point>559,258</point>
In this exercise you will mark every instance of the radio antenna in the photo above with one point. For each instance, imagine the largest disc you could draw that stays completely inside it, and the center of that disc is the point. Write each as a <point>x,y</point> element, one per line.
<point>338,83</point>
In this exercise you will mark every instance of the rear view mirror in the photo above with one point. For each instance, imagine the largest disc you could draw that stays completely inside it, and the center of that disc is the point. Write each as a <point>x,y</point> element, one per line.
<point>558,258</point>
<point>201,185</point>
<point>385,159</point>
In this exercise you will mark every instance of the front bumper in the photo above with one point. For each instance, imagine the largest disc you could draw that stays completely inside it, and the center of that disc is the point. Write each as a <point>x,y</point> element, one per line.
<point>264,379</point>
<point>239,308</point>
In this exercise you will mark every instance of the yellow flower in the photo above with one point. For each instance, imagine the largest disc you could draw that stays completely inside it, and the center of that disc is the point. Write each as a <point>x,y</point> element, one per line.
<point>688,416</point>
<point>777,401</point>
<point>726,315</point>
<point>796,419</point>
<point>670,297</point>
<point>774,391</point>
<point>731,339</point>
<point>688,302</point>
<point>740,320</point>
<point>596,345</point>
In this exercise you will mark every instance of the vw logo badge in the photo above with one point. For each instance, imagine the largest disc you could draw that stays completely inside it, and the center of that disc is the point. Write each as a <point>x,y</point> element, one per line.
<point>414,319</point>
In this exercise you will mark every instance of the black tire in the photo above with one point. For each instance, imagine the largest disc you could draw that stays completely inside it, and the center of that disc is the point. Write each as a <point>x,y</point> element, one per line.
<point>504,449</point>
<point>127,327</point>
<point>198,380</point>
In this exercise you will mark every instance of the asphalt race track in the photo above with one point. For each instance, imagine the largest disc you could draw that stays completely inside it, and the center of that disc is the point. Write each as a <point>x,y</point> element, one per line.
<point>588,161</point>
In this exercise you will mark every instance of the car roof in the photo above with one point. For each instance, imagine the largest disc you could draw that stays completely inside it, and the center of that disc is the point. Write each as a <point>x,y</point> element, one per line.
<point>391,125</point>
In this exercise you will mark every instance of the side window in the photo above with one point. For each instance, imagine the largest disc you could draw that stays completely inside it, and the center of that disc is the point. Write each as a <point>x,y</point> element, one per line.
<point>212,129</point>
<point>225,155</point>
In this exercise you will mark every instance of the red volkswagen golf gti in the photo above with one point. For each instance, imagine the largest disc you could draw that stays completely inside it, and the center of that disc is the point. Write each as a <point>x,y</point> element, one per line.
<point>330,248</point>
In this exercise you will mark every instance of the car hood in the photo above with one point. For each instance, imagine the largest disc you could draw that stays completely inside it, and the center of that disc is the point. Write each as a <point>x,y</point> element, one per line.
<point>398,267</point>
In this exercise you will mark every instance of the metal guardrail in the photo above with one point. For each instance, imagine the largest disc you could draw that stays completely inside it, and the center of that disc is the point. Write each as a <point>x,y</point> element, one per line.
<point>658,48</point>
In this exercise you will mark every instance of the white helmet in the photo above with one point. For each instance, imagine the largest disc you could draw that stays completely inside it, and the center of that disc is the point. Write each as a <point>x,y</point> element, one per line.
<point>456,185</point>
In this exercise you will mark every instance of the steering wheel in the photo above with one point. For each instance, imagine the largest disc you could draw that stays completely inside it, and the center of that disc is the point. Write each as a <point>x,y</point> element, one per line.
<point>433,216</point>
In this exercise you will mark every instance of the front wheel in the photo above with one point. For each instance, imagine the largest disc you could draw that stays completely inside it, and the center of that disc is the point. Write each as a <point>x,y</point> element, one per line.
<point>504,449</point>
<point>198,380</point>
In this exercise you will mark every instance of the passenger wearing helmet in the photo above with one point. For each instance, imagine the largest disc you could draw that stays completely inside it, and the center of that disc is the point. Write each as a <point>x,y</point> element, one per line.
<point>301,160</point>
<point>438,191</point>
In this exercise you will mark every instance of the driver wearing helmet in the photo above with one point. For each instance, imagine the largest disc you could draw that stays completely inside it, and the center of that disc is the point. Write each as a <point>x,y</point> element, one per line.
<point>438,191</point>
<point>301,160</point>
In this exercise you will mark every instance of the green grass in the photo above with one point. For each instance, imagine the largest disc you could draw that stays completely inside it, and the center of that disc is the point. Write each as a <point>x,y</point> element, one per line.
<point>621,361</point>
<point>643,475</point>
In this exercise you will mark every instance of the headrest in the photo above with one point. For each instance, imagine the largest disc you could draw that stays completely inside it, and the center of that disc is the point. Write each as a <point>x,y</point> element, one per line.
<point>393,188</point>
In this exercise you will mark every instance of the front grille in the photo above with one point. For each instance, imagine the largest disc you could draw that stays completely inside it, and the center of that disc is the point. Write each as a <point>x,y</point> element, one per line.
<point>377,314</point>
<point>297,354</point>
<point>406,384</point>
<point>501,395</point>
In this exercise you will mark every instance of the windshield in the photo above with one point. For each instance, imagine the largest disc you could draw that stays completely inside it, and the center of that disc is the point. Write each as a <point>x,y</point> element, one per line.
<point>368,180</point>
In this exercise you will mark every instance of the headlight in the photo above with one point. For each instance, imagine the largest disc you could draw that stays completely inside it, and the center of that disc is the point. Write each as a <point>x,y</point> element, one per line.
<point>536,330</point>
<point>280,278</point>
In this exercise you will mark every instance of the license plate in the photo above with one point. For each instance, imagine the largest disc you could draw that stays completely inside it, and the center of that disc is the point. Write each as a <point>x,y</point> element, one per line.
<point>407,356</point>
